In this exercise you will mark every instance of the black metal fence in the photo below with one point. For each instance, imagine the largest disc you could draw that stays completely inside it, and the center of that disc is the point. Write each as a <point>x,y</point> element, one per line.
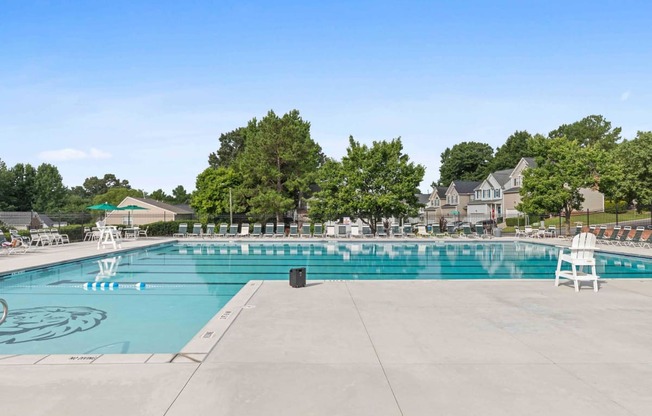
<point>588,218</point>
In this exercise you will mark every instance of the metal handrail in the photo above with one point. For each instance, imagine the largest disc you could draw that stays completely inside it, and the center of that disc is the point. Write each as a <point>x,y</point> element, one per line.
<point>5,310</point>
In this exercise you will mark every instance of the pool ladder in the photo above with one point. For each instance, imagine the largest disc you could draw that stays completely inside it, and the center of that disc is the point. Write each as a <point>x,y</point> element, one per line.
<point>5,310</point>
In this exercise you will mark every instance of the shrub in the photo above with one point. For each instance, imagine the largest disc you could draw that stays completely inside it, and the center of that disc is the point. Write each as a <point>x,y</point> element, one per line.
<point>511,222</point>
<point>610,207</point>
<point>74,232</point>
<point>166,228</point>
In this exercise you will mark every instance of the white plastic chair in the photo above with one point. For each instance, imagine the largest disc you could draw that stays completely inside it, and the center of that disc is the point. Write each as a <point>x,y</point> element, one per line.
<point>580,256</point>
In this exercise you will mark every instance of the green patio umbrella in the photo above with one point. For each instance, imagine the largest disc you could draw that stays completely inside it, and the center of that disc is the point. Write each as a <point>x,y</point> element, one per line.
<point>130,208</point>
<point>103,207</point>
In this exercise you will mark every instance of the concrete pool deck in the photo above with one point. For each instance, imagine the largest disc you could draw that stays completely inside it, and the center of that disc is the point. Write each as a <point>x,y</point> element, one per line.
<point>423,347</point>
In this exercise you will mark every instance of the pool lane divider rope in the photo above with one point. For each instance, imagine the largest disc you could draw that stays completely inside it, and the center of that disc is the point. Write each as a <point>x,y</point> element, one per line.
<point>113,285</point>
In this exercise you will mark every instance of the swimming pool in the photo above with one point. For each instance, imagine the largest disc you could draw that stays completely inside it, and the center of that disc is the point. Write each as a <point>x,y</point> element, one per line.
<point>155,300</point>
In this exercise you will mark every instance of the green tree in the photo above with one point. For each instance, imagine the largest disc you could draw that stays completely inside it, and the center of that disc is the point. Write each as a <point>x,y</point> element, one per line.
<point>76,203</point>
<point>217,191</point>
<point>553,186</point>
<point>115,195</point>
<point>371,183</point>
<point>333,200</point>
<point>278,164</point>
<point>465,161</point>
<point>49,191</point>
<point>591,131</point>
<point>180,195</point>
<point>6,188</point>
<point>160,195</point>
<point>23,178</point>
<point>509,154</point>
<point>232,144</point>
<point>633,172</point>
<point>97,186</point>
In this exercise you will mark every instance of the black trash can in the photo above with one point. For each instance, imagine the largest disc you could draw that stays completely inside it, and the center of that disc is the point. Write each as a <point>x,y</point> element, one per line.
<point>298,277</point>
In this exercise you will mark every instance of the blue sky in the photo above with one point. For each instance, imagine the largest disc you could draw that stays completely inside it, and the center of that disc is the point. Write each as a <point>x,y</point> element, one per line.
<point>144,89</point>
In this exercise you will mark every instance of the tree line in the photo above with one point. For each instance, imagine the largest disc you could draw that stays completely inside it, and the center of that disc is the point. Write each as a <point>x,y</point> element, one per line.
<point>41,189</point>
<point>271,167</point>
<point>588,153</point>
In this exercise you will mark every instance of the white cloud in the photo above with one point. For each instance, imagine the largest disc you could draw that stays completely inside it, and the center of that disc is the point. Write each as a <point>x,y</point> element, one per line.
<point>99,154</point>
<point>624,96</point>
<point>64,155</point>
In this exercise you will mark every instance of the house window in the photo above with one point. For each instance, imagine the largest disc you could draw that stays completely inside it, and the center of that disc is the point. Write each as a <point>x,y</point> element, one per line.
<point>477,194</point>
<point>436,202</point>
<point>496,193</point>
<point>517,181</point>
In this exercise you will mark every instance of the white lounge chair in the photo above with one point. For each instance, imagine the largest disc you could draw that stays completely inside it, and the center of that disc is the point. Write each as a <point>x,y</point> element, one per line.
<point>580,256</point>
<point>244,230</point>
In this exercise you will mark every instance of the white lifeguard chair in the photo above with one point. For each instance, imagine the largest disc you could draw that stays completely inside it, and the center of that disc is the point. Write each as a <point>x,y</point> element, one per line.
<point>580,257</point>
<point>109,236</point>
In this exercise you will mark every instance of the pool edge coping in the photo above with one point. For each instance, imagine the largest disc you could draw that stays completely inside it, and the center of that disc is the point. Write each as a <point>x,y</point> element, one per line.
<point>194,351</point>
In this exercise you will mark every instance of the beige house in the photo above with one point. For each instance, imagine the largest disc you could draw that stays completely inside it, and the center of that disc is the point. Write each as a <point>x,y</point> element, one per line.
<point>488,200</point>
<point>154,211</point>
<point>511,195</point>
<point>593,200</point>
<point>458,196</point>
<point>436,200</point>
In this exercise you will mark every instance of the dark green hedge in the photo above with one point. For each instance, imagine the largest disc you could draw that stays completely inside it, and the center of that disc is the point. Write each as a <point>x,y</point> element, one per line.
<point>511,222</point>
<point>74,232</point>
<point>610,207</point>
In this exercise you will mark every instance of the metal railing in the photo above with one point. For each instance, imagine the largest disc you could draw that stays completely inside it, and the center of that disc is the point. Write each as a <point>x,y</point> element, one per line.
<point>5,310</point>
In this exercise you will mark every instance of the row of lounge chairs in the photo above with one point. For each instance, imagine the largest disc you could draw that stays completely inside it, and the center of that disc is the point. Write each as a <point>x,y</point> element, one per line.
<point>21,244</point>
<point>317,230</point>
<point>235,230</point>
<point>622,236</point>
<point>47,237</point>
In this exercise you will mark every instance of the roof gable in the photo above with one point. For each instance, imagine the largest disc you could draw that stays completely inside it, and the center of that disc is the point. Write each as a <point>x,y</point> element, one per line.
<point>464,187</point>
<point>158,204</point>
<point>502,177</point>
<point>522,164</point>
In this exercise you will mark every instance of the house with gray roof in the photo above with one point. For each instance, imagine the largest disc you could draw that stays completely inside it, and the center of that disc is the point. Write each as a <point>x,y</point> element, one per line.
<point>152,211</point>
<point>458,196</point>
<point>24,220</point>
<point>488,197</point>
<point>436,200</point>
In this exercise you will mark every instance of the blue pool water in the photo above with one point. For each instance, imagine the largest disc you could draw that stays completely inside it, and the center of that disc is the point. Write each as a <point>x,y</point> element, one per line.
<point>56,310</point>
